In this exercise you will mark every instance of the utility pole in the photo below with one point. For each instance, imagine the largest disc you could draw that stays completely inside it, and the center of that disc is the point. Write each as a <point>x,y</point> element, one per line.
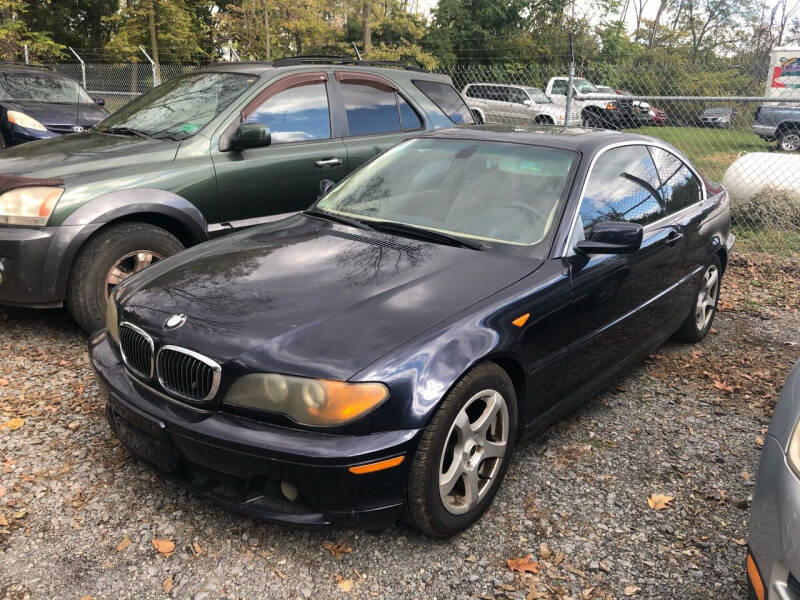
<point>154,44</point>
<point>266,30</point>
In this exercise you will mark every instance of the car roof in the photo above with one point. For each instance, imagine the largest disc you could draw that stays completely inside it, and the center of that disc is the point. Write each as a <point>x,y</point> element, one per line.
<point>31,69</point>
<point>259,68</point>
<point>577,139</point>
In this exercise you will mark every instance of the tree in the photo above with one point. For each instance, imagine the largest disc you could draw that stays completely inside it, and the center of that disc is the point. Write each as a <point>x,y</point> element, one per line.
<point>175,26</point>
<point>82,24</point>
<point>15,34</point>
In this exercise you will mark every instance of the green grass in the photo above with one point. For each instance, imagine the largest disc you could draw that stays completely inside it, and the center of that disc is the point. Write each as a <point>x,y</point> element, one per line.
<point>711,150</point>
<point>784,244</point>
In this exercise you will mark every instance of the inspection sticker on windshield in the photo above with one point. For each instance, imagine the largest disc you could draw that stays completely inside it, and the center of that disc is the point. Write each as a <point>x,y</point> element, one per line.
<point>189,127</point>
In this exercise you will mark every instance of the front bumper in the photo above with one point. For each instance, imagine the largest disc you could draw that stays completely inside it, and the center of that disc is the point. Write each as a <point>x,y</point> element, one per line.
<point>16,135</point>
<point>241,464</point>
<point>765,131</point>
<point>23,252</point>
<point>775,522</point>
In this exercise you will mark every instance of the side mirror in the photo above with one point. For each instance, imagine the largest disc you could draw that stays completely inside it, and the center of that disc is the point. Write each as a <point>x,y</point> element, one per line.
<point>250,135</point>
<point>612,237</point>
<point>99,101</point>
<point>527,102</point>
<point>325,186</point>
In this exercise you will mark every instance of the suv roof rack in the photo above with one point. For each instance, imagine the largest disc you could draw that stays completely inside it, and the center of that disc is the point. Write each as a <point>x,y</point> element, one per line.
<point>342,60</point>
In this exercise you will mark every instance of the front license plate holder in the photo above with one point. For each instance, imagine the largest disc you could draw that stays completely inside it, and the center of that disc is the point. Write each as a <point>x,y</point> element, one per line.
<point>143,435</point>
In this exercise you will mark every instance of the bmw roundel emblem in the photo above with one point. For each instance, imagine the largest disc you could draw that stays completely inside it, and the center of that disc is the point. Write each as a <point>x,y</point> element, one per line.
<point>175,321</point>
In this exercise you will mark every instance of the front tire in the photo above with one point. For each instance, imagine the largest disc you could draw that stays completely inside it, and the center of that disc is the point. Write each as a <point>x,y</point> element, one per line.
<point>109,258</point>
<point>698,323</point>
<point>463,454</point>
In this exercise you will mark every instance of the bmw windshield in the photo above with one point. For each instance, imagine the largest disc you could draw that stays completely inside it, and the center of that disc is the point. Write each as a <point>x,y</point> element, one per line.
<point>179,108</point>
<point>487,192</point>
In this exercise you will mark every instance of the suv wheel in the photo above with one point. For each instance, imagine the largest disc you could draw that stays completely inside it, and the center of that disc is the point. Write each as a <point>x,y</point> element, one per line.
<point>789,140</point>
<point>109,258</point>
<point>463,453</point>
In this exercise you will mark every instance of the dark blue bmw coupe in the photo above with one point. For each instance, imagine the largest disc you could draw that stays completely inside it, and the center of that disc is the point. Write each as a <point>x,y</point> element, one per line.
<point>381,353</point>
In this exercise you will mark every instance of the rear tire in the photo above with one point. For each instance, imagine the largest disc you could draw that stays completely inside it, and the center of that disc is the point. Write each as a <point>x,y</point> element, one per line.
<point>459,464</point>
<point>704,308</point>
<point>789,140</point>
<point>107,259</point>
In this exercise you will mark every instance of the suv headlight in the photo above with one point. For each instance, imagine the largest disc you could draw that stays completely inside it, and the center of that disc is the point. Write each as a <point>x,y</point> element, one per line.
<point>112,319</point>
<point>29,205</point>
<point>318,402</point>
<point>23,120</point>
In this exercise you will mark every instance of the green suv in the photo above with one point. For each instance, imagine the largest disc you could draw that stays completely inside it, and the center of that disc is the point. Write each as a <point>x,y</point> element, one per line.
<point>229,146</point>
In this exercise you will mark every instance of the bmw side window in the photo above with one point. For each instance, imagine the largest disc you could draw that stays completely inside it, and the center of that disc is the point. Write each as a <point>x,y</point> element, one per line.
<point>447,99</point>
<point>623,186</point>
<point>679,186</point>
<point>296,114</point>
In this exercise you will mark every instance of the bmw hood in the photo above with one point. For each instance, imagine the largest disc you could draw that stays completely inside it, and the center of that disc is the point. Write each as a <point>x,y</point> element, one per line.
<point>307,297</point>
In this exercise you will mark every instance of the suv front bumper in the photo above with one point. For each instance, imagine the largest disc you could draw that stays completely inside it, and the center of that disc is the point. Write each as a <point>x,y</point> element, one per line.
<point>23,251</point>
<point>245,465</point>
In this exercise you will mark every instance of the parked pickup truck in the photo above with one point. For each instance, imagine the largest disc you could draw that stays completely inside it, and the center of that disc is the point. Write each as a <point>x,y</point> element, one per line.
<point>780,123</point>
<point>595,110</point>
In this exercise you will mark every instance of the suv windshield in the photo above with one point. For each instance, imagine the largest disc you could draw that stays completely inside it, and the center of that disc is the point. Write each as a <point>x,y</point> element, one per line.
<point>179,108</point>
<point>537,95</point>
<point>487,191</point>
<point>584,86</point>
<point>31,87</point>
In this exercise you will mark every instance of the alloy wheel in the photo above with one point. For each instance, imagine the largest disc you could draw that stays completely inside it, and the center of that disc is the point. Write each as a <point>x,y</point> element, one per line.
<point>474,451</point>
<point>790,142</point>
<point>707,298</point>
<point>129,264</point>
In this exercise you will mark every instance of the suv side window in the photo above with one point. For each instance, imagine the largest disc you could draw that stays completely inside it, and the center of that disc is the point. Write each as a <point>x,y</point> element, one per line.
<point>622,187</point>
<point>475,91</point>
<point>517,96</point>
<point>679,186</point>
<point>296,114</point>
<point>447,99</point>
<point>372,108</point>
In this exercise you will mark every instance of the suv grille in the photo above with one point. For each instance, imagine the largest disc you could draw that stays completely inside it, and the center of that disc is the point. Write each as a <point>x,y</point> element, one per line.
<point>186,374</point>
<point>137,349</point>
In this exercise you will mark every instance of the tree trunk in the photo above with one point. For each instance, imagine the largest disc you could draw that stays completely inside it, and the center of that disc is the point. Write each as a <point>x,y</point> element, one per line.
<point>366,42</point>
<point>661,6</point>
<point>267,44</point>
<point>154,43</point>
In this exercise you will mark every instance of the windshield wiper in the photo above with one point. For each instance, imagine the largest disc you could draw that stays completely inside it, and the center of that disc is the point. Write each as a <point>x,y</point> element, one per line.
<point>322,214</point>
<point>124,131</point>
<point>425,234</point>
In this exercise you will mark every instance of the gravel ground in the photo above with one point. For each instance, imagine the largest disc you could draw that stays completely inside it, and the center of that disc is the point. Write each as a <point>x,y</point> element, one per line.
<point>78,514</point>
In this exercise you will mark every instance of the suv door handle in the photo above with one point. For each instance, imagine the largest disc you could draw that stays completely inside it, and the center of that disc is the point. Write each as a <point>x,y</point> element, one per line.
<point>323,163</point>
<point>673,238</point>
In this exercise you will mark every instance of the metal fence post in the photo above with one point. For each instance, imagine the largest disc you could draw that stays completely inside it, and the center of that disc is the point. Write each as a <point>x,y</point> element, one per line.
<point>570,81</point>
<point>156,81</point>
<point>83,66</point>
<point>234,54</point>
<point>25,47</point>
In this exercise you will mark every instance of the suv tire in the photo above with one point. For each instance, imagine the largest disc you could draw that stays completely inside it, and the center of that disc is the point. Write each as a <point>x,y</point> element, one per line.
<point>452,436</point>
<point>125,248</point>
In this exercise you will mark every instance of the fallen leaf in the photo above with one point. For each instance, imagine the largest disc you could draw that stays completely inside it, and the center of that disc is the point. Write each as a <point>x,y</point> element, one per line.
<point>167,585</point>
<point>337,550</point>
<point>3,381</point>
<point>279,574</point>
<point>196,549</point>
<point>163,546</point>
<point>724,387</point>
<point>544,551</point>
<point>20,514</point>
<point>3,521</point>
<point>87,598</point>
<point>741,542</point>
<point>124,543</point>
<point>13,424</point>
<point>587,593</point>
<point>659,501</point>
<point>630,590</point>
<point>523,564</point>
<point>345,585</point>
<point>759,440</point>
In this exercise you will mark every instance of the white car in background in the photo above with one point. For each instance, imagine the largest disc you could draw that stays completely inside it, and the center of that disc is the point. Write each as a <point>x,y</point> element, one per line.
<point>514,105</point>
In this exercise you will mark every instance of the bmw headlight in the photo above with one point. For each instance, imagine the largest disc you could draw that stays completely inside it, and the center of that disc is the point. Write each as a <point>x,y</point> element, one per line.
<point>112,319</point>
<point>317,402</point>
<point>23,120</point>
<point>29,205</point>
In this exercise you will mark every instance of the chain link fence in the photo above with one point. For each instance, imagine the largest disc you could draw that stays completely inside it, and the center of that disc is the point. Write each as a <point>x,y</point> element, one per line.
<point>739,123</point>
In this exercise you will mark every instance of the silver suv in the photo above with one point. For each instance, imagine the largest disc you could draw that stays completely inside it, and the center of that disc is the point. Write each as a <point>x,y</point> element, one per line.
<point>514,104</point>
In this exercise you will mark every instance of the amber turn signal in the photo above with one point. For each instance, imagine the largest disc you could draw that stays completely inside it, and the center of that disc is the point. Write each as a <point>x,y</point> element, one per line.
<point>754,577</point>
<point>521,320</point>
<point>377,466</point>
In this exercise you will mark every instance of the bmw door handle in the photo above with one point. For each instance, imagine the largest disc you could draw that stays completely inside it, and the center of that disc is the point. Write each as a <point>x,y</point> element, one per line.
<point>326,163</point>
<point>673,238</point>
